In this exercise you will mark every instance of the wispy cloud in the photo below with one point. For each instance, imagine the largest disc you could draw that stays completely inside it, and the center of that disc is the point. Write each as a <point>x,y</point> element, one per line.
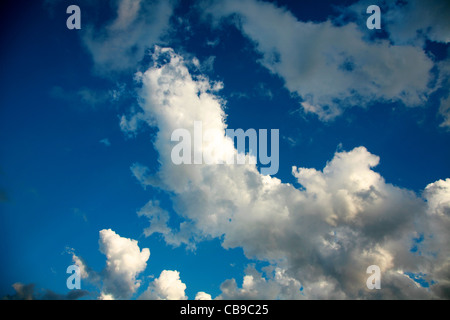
<point>120,45</point>
<point>105,142</point>
<point>335,67</point>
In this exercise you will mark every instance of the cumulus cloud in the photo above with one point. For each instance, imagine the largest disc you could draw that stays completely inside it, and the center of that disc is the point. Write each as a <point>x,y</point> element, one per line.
<point>203,296</point>
<point>438,197</point>
<point>167,287</point>
<point>334,67</point>
<point>125,261</point>
<point>320,237</point>
<point>436,239</point>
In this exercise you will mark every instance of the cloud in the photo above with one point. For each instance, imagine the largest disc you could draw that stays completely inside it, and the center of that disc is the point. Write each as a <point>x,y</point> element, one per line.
<point>444,82</point>
<point>322,235</point>
<point>125,260</point>
<point>106,142</point>
<point>255,286</point>
<point>159,223</point>
<point>436,238</point>
<point>84,270</point>
<point>330,67</point>
<point>411,21</point>
<point>438,197</point>
<point>27,292</point>
<point>202,296</point>
<point>167,287</point>
<point>85,96</point>
<point>121,44</point>
<point>23,292</point>
<point>444,110</point>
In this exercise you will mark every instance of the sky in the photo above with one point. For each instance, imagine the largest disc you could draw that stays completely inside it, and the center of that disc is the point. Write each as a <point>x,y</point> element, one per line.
<point>87,170</point>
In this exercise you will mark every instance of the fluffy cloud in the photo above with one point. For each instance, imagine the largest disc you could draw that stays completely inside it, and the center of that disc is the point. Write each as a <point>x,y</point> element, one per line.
<point>125,260</point>
<point>167,287</point>
<point>334,67</point>
<point>436,239</point>
<point>438,197</point>
<point>202,296</point>
<point>321,237</point>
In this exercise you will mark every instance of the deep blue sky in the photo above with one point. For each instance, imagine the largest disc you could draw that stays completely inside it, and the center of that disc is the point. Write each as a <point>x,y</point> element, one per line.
<point>60,184</point>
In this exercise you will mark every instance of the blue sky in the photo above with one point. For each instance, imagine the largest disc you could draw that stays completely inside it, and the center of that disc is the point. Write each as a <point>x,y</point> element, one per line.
<point>85,123</point>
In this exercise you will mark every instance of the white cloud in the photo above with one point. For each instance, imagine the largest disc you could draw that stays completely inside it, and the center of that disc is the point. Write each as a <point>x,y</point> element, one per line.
<point>331,67</point>
<point>436,240</point>
<point>167,287</point>
<point>438,197</point>
<point>323,236</point>
<point>125,260</point>
<point>104,296</point>
<point>202,296</point>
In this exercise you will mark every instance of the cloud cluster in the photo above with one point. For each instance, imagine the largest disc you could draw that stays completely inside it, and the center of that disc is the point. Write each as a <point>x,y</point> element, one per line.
<point>334,66</point>
<point>321,236</point>
<point>125,260</point>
